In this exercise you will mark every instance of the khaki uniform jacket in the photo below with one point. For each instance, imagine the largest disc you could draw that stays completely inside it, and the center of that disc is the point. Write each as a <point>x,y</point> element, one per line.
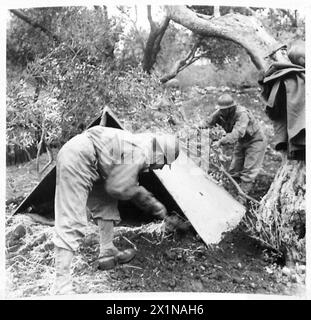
<point>120,157</point>
<point>114,156</point>
<point>242,126</point>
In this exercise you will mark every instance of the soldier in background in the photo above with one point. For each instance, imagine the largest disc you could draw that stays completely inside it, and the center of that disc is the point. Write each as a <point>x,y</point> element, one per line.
<point>245,133</point>
<point>283,90</point>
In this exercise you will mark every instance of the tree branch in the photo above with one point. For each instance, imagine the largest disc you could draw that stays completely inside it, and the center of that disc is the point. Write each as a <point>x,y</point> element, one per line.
<point>240,191</point>
<point>222,169</point>
<point>34,24</point>
<point>40,144</point>
<point>246,31</point>
<point>182,63</point>
<point>50,155</point>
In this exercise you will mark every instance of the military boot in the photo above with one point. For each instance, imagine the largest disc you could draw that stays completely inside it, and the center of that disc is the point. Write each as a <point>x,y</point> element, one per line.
<point>109,255</point>
<point>62,282</point>
<point>110,258</point>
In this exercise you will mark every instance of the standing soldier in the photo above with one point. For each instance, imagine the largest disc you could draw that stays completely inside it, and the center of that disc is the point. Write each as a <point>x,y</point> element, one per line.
<point>243,130</point>
<point>283,90</point>
<point>116,157</point>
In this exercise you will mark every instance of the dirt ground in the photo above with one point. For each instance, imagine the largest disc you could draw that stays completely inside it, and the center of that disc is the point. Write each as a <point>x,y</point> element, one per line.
<point>165,261</point>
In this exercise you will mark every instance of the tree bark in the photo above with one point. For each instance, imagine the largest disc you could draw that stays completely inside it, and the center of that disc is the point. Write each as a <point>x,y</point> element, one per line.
<point>280,219</point>
<point>246,31</point>
<point>153,47</point>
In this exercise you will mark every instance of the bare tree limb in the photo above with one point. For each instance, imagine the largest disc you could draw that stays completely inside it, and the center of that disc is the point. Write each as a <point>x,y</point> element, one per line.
<point>182,63</point>
<point>223,170</point>
<point>40,144</point>
<point>50,155</point>
<point>246,31</point>
<point>34,24</point>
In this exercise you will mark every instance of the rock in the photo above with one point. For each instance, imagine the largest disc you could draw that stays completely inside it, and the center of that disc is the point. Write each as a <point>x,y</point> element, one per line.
<point>13,237</point>
<point>49,246</point>
<point>19,232</point>
<point>197,285</point>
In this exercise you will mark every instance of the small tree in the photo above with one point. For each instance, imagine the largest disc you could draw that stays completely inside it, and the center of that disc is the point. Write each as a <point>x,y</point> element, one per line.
<point>27,118</point>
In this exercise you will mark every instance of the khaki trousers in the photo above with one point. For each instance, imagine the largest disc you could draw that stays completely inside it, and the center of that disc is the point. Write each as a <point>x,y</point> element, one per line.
<point>76,172</point>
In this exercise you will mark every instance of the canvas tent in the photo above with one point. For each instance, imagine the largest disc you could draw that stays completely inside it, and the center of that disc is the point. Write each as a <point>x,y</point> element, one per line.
<point>184,188</point>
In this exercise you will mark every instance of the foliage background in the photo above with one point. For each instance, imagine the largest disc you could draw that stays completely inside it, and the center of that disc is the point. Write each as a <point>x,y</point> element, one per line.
<point>96,61</point>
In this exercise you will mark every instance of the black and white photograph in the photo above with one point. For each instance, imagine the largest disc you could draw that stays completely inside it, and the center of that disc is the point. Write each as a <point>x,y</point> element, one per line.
<point>155,149</point>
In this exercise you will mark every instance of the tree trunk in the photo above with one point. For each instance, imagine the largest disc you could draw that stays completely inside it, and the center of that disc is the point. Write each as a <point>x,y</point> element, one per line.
<point>280,221</point>
<point>216,11</point>
<point>154,40</point>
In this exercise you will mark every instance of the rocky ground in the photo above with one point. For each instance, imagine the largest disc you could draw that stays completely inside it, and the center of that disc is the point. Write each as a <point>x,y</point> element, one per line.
<point>166,261</point>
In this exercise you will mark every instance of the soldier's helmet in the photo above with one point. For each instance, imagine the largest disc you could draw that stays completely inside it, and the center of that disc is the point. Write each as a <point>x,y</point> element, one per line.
<point>296,53</point>
<point>225,101</point>
<point>167,148</point>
